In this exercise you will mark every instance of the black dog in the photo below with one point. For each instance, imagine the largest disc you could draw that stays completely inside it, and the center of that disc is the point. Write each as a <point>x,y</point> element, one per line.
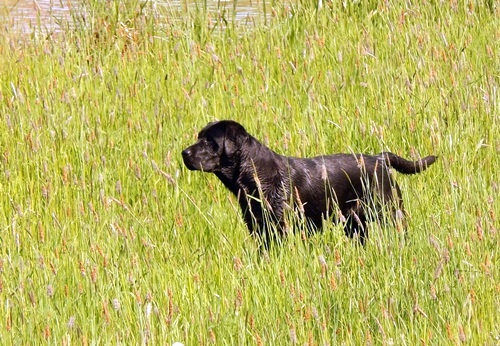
<point>352,188</point>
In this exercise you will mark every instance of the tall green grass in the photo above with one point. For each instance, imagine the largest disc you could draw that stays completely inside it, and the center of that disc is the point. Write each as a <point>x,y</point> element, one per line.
<point>105,238</point>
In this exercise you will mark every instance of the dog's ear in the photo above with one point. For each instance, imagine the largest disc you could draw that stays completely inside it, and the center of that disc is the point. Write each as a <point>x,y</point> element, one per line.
<point>234,137</point>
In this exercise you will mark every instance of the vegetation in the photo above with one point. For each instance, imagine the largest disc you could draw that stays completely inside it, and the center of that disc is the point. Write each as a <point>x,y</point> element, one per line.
<point>105,237</point>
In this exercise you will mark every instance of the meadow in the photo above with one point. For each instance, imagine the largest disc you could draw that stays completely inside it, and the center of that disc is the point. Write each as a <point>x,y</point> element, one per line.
<point>106,238</point>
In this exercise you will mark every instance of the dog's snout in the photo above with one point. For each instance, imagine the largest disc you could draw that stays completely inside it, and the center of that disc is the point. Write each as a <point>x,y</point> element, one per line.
<point>186,152</point>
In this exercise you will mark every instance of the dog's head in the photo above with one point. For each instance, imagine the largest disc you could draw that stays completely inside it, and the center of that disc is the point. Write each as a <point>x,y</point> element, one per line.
<point>217,144</point>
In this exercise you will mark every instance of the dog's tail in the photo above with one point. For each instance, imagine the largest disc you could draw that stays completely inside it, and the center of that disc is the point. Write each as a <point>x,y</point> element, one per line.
<point>407,167</point>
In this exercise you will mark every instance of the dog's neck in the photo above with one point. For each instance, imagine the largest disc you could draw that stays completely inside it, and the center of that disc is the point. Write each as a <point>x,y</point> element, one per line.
<point>243,177</point>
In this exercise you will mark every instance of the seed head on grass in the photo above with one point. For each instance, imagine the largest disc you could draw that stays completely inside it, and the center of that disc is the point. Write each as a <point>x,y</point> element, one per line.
<point>116,304</point>
<point>82,268</point>
<point>450,241</point>
<point>333,282</point>
<point>468,251</point>
<point>417,309</point>
<point>442,262</point>
<point>93,274</point>
<point>238,301</point>
<point>323,265</point>
<point>237,264</point>
<point>258,339</point>
<point>50,291</point>
<point>293,336</point>
<point>147,310</point>
<point>479,229</point>
<point>71,322</point>
<point>105,311</point>
<point>432,292</point>
<point>211,336</point>
<point>338,258</point>
<point>282,278</point>
<point>486,265</point>
<point>46,332</point>
<point>461,334</point>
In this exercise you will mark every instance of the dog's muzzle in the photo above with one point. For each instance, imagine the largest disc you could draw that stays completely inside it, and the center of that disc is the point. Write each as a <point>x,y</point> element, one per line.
<point>186,157</point>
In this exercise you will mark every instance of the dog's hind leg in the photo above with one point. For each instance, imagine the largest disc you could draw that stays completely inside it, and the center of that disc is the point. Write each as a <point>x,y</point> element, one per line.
<point>355,226</point>
<point>395,207</point>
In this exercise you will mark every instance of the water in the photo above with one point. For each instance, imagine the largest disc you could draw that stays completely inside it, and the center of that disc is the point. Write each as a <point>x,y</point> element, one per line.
<point>244,10</point>
<point>27,16</point>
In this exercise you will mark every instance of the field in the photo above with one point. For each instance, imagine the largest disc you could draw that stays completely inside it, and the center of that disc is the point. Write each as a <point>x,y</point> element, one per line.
<point>106,238</point>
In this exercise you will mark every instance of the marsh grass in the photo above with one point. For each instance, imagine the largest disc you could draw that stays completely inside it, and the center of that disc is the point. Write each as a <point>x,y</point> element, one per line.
<point>106,238</point>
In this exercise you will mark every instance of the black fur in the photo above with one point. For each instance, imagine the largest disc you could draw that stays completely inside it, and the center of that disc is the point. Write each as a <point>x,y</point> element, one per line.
<point>353,188</point>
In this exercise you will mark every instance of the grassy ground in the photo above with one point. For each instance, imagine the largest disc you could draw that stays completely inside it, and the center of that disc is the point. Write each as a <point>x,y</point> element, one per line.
<point>105,238</point>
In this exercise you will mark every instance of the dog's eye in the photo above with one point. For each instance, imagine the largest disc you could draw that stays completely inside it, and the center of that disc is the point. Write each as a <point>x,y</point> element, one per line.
<point>211,144</point>
<point>214,145</point>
